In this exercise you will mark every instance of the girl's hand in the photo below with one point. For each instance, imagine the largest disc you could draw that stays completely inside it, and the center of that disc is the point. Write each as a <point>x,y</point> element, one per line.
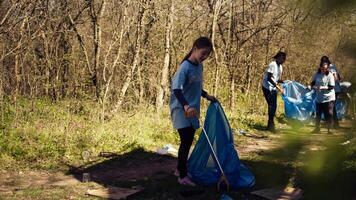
<point>189,111</point>
<point>280,88</point>
<point>323,87</point>
<point>211,98</point>
<point>317,88</point>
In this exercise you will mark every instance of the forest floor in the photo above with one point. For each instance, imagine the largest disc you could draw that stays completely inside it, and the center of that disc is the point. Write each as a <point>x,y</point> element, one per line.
<point>315,163</point>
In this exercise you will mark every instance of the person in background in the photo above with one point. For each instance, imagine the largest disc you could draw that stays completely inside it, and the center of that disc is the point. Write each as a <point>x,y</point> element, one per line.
<point>186,91</point>
<point>271,78</point>
<point>323,83</point>
<point>333,70</point>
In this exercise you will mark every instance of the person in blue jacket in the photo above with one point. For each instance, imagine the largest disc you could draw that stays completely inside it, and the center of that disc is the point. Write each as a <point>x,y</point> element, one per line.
<point>186,92</point>
<point>271,78</point>
<point>323,83</point>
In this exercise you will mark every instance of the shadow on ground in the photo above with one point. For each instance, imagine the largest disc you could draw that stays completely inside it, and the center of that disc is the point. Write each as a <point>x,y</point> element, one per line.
<point>319,173</point>
<point>154,173</point>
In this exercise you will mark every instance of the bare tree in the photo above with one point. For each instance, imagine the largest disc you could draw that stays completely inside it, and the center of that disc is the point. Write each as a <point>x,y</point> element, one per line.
<point>137,49</point>
<point>217,7</point>
<point>162,88</point>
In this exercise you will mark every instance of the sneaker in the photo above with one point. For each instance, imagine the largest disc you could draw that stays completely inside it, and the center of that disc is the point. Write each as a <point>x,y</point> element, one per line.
<point>272,129</point>
<point>186,181</point>
<point>316,131</point>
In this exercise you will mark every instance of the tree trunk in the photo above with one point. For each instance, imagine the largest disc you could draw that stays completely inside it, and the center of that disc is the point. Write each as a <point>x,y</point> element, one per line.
<point>96,20</point>
<point>217,8</point>
<point>167,59</point>
<point>228,59</point>
<point>232,92</point>
<point>117,58</point>
<point>17,78</point>
<point>2,71</point>
<point>135,61</point>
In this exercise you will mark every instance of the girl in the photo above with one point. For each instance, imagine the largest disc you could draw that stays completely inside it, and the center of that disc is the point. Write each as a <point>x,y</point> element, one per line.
<point>323,83</point>
<point>333,70</point>
<point>270,81</point>
<point>186,91</point>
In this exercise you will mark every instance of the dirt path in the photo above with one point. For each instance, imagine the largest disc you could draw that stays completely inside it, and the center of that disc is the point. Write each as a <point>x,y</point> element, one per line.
<point>131,169</point>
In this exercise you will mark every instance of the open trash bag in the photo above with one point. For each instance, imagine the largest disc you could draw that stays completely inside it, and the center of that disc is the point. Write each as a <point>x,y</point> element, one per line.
<point>202,166</point>
<point>298,101</point>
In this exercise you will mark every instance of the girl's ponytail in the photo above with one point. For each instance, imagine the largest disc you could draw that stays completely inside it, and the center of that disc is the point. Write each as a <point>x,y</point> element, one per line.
<point>187,56</point>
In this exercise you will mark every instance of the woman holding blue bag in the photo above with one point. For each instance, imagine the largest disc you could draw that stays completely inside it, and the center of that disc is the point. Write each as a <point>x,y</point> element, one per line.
<point>271,78</point>
<point>186,91</point>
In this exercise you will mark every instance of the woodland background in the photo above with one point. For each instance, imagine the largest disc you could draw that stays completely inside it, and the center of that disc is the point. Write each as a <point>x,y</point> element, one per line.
<point>95,74</point>
<point>124,53</point>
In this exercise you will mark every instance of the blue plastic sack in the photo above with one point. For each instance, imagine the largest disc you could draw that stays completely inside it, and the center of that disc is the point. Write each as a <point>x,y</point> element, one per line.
<point>202,165</point>
<point>299,101</point>
<point>341,108</point>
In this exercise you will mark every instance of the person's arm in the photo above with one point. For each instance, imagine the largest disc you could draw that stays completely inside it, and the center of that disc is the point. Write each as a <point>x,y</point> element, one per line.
<point>178,93</point>
<point>189,111</point>
<point>328,87</point>
<point>269,78</point>
<point>203,93</point>
<point>338,77</point>
<point>312,83</point>
<point>207,96</point>
<point>177,87</point>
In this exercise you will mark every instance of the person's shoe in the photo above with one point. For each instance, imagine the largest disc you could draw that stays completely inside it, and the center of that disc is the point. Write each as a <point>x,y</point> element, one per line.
<point>186,181</point>
<point>316,131</point>
<point>272,128</point>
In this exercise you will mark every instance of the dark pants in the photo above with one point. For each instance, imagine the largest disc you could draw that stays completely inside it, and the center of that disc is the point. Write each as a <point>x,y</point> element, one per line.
<point>186,139</point>
<point>335,119</point>
<point>271,98</point>
<point>327,109</point>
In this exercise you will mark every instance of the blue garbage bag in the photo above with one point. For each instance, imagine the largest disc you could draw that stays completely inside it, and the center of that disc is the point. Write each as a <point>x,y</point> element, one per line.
<point>341,108</point>
<point>300,104</point>
<point>299,101</point>
<point>203,167</point>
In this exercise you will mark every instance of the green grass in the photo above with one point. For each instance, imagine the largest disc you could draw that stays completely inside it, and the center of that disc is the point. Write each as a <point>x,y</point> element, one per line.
<point>45,135</point>
<point>40,134</point>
